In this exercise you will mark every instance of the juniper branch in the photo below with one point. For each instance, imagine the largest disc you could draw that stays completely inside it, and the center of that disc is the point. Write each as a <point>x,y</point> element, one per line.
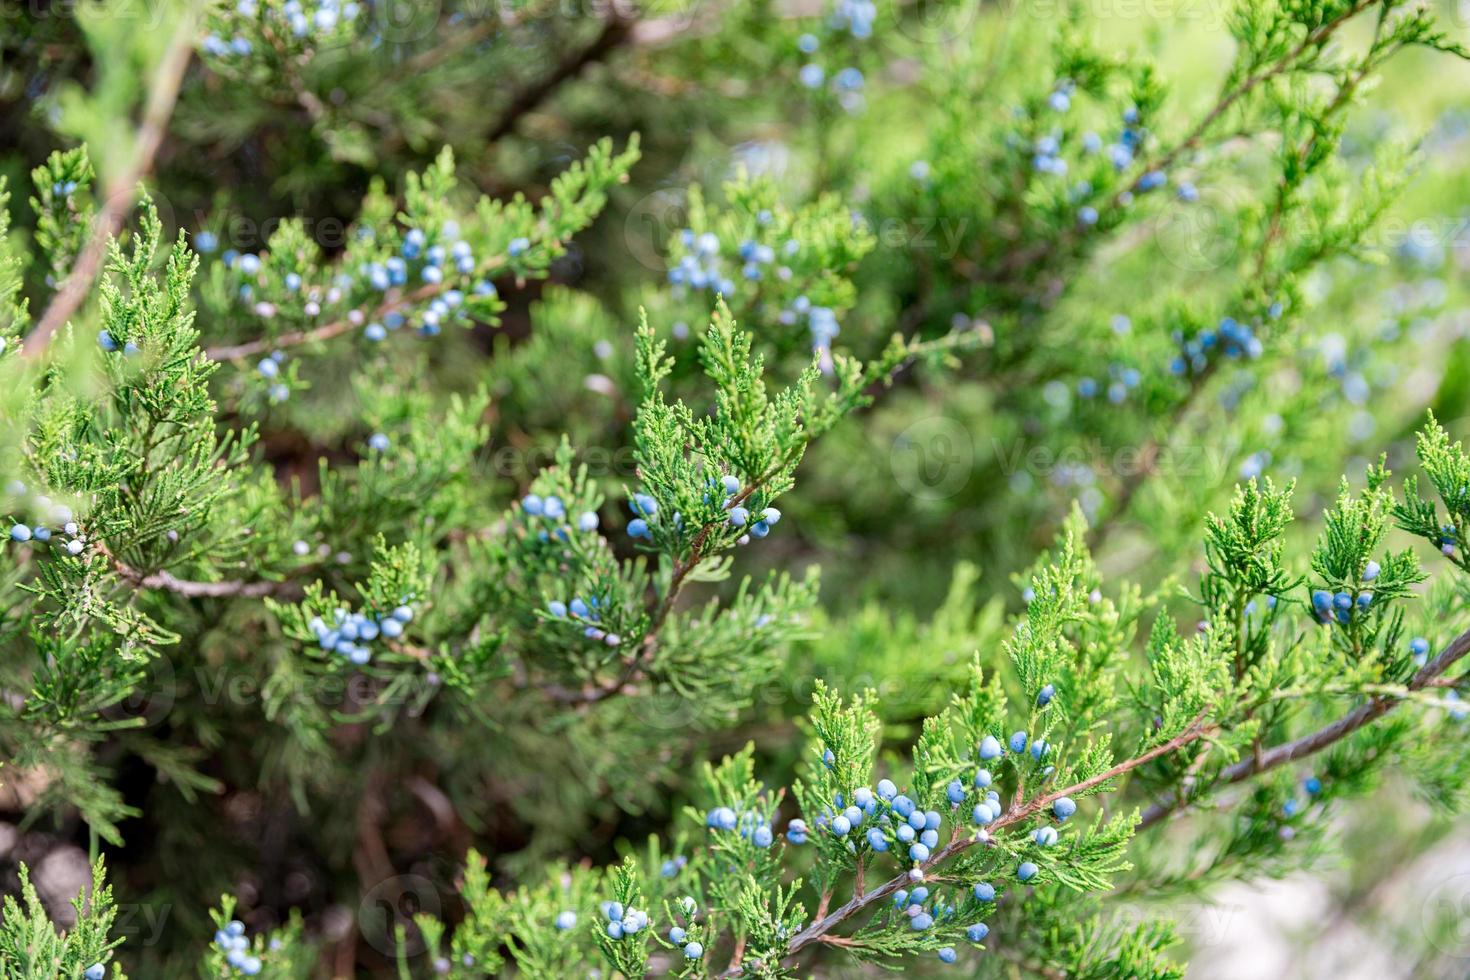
<point>1325,737</point>
<point>120,191</point>
<point>1019,812</point>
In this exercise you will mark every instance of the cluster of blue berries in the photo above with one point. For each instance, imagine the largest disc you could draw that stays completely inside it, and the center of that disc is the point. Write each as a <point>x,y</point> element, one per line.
<point>1232,338</point>
<point>108,343</point>
<point>269,368</point>
<point>692,949</point>
<point>231,940</point>
<point>553,512</point>
<point>855,16</point>
<point>892,818</point>
<point>587,611</point>
<point>1339,607</point>
<point>921,913</point>
<point>821,322</point>
<point>623,923</point>
<point>699,268</point>
<point>419,260</point>
<point>751,824</point>
<point>848,82</point>
<point>351,633</point>
<point>58,514</point>
<point>309,21</point>
<point>991,748</point>
<point>1123,380</point>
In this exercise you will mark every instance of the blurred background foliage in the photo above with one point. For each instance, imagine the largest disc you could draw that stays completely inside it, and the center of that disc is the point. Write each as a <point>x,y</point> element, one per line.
<point>922,512</point>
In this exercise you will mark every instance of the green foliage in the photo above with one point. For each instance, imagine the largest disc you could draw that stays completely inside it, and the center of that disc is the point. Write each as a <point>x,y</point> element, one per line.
<point>958,320</point>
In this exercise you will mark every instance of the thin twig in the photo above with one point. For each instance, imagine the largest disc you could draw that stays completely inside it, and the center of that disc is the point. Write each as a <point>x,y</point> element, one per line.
<point>197,590</point>
<point>1370,710</point>
<point>120,191</point>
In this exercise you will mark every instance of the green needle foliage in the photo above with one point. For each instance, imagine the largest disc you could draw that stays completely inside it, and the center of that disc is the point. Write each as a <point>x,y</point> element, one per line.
<point>712,491</point>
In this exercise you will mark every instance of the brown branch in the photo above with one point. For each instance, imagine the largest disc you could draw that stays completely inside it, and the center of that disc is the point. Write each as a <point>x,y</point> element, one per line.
<point>196,590</point>
<point>238,352</point>
<point>120,191</point>
<point>615,31</point>
<point>1370,710</point>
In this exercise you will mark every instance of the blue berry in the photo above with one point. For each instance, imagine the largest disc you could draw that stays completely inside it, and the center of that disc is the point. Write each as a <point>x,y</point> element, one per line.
<point>517,246</point>
<point>932,820</point>
<point>1370,571</point>
<point>902,805</point>
<point>955,792</point>
<point>1064,808</point>
<point>96,972</point>
<point>762,836</point>
<point>876,839</point>
<point>906,834</point>
<point>771,516</point>
<point>796,832</point>
<point>984,892</point>
<point>693,951</point>
<point>1313,785</point>
<point>556,608</point>
<point>554,508</point>
<point>587,522</point>
<point>533,505</point>
<point>921,922</point>
<point>404,614</point>
<point>1019,741</point>
<point>1027,871</point>
<point>982,778</point>
<point>982,814</point>
<point>378,442</point>
<point>1044,696</point>
<point>919,851</point>
<point>1038,749</point>
<point>1321,600</point>
<point>1418,646</point>
<point>644,505</point>
<point>1343,601</point>
<point>977,932</point>
<point>20,533</point>
<point>990,748</point>
<point>738,516</point>
<point>638,528</point>
<point>615,930</point>
<point>901,898</point>
<point>886,789</point>
<point>854,815</point>
<point>841,825</point>
<point>948,955</point>
<point>1044,836</point>
<point>566,920</point>
<point>929,838</point>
